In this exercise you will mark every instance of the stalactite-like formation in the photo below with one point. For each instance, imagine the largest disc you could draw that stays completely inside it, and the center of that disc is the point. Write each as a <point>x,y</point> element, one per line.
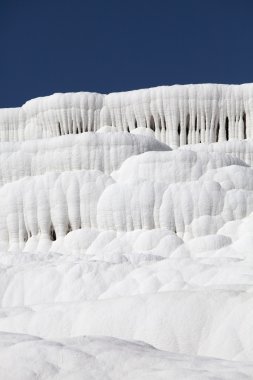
<point>178,115</point>
<point>106,231</point>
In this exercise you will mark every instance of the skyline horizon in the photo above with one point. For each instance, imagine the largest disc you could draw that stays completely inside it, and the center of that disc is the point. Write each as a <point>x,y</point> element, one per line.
<point>62,46</point>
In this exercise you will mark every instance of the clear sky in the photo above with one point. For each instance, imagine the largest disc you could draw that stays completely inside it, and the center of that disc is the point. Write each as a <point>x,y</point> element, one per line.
<point>52,46</point>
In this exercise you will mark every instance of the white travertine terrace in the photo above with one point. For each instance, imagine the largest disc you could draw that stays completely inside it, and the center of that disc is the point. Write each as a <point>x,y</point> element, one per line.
<point>243,149</point>
<point>71,358</point>
<point>109,238</point>
<point>179,114</point>
<point>105,152</point>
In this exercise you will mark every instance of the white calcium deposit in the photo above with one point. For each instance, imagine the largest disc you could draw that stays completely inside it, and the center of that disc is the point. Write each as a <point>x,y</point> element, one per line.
<point>176,115</point>
<point>121,255</point>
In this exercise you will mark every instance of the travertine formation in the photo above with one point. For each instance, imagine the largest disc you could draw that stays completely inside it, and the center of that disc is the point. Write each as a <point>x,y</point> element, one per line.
<point>177,114</point>
<point>122,237</point>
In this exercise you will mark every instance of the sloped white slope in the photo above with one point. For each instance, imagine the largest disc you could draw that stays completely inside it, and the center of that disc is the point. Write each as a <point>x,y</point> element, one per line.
<point>243,149</point>
<point>116,235</point>
<point>92,358</point>
<point>86,151</point>
<point>173,166</point>
<point>49,206</point>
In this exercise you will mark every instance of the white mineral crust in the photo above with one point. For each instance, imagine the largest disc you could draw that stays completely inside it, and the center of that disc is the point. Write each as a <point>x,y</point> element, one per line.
<point>121,255</point>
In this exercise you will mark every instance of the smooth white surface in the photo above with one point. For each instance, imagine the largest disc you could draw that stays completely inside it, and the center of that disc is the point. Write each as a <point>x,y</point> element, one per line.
<point>111,238</point>
<point>106,358</point>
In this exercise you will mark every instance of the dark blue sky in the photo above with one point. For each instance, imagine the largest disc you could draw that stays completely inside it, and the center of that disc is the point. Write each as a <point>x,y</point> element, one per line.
<point>58,46</point>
